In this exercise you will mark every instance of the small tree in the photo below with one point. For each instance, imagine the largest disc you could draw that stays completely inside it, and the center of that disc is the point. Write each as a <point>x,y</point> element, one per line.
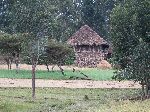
<point>10,48</point>
<point>56,53</point>
<point>33,18</point>
<point>32,50</point>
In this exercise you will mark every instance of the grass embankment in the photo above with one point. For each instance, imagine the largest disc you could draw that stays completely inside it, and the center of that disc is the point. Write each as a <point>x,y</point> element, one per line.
<point>71,100</point>
<point>94,74</point>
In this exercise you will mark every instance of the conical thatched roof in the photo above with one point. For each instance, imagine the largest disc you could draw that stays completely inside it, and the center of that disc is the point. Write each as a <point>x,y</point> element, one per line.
<point>86,36</point>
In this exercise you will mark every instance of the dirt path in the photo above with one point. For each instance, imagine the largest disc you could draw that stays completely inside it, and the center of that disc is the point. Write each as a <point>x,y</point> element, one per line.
<point>62,83</point>
<point>39,67</point>
<point>68,83</point>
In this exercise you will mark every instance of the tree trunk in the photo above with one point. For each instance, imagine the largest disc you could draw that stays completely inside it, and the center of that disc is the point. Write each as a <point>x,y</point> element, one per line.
<point>147,87</point>
<point>143,92</point>
<point>17,64</point>
<point>62,70</point>
<point>7,61</point>
<point>17,68</point>
<point>143,89</point>
<point>53,68</point>
<point>10,63</point>
<point>33,81</point>
<point>47,67</point>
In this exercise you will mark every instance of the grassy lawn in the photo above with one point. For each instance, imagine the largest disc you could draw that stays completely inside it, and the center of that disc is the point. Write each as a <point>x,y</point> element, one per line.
<point>71,100</point>
<point>94,74</point>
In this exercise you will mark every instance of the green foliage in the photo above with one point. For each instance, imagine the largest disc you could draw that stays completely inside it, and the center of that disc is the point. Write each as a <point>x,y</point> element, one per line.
<point>123,32</point>
<point>138,68</point>
<point>143,13</point>
<point>70,59</point>
<point>95,13</point>
<point>67,20</point>
<point>34,16</point>
<point>55,18</point>
<point>56,53</point>
<point>33,48</point>
<point>130,38</point>
<point>6,6</point>
<point>11,47</point>
<point>10,43</point>
<point>127,27</point>
<point>72,14</point>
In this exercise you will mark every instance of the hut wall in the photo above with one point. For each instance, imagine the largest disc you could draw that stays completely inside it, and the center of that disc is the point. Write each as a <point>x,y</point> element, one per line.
<point>88,59</point>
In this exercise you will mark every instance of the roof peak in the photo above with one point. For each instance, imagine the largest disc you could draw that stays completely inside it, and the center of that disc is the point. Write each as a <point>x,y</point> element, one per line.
<point>86,36</point>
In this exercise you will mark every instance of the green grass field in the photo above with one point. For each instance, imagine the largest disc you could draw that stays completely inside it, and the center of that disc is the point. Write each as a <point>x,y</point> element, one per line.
<point>94,74</point>
<point>71,100</point>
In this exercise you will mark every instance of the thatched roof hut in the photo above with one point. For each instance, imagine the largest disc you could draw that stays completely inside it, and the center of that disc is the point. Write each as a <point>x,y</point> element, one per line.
<point>86,36</point>
<point>89,47</point>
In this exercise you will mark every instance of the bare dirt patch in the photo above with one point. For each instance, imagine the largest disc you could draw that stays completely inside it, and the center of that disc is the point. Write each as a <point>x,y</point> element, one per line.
<point>40,67</point>
<point>68,83</point>
<point>4,82</point>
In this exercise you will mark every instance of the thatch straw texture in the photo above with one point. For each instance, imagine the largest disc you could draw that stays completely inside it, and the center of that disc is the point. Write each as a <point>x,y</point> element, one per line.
<point>86,36</point>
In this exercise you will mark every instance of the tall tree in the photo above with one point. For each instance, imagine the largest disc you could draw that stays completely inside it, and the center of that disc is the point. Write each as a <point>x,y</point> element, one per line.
<point>33,18</point>
<point>67,18</point>
<point>130,38</point>
<point>6,7</point>
<point>95,13</point>
<point>72,14</point>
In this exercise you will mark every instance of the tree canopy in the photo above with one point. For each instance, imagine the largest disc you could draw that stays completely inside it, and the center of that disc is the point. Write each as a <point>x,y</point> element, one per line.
<point>130,38</point>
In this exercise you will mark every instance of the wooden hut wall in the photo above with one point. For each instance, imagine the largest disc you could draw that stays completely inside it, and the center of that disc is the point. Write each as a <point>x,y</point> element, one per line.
<point>90,59</point>
<point>87,48</point>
